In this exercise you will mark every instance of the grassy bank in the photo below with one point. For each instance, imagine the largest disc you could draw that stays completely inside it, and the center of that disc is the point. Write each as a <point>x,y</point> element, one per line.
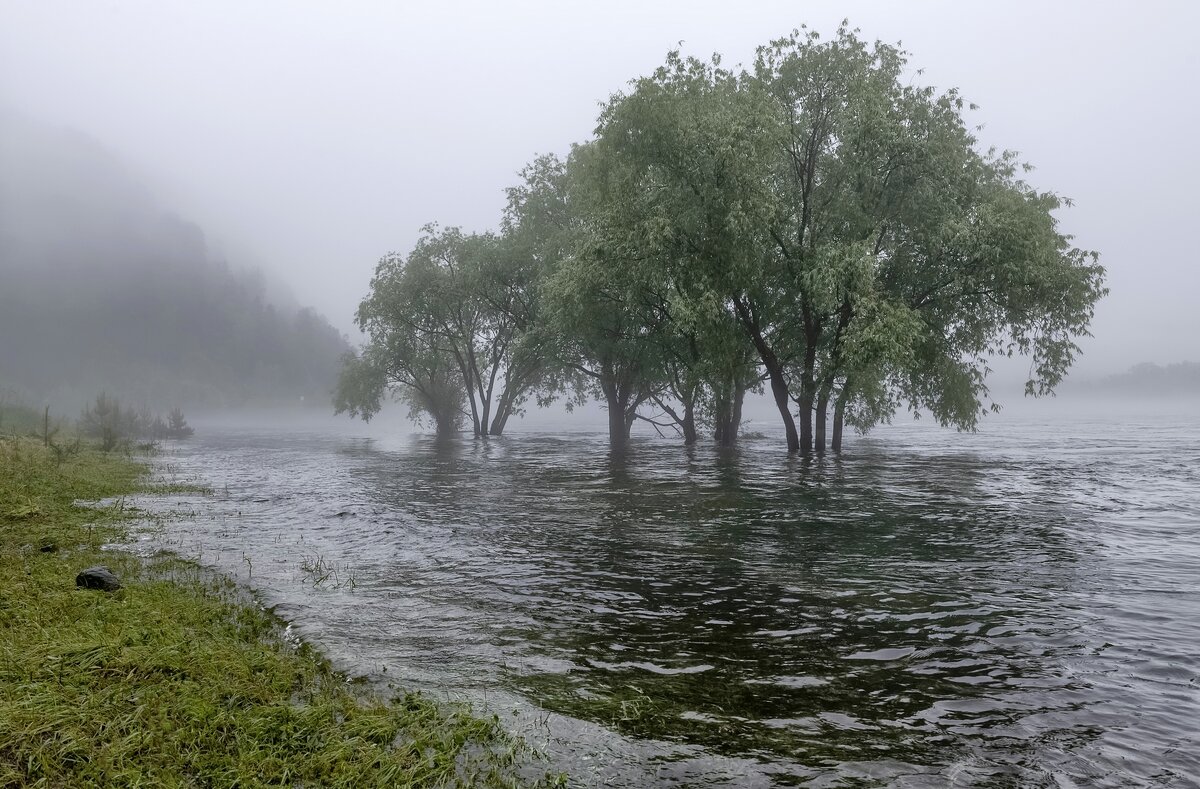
<point>176,679</point>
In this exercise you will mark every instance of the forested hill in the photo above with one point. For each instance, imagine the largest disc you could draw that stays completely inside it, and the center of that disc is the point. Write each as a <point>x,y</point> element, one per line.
<point>102,288</point>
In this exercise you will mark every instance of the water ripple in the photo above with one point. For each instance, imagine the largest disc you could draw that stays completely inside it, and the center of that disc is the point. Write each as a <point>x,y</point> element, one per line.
<point>1020,608</point>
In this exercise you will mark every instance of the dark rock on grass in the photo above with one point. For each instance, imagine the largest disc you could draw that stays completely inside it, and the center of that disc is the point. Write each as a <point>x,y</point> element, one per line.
<point>48,547</point>
<point>98,578</point>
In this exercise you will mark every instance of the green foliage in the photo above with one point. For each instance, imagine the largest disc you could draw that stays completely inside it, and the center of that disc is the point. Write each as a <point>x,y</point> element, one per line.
<point>816,220</point>
<point>360,387</point>
<point>605,310</point>
<point>407,351</point>
<point>451,330</point>
<point>679,184</point>
<point>846,220</point>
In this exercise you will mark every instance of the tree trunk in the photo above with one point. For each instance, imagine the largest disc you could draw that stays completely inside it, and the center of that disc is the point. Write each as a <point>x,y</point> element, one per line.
<point>504,410</point>
<point>845,315</point>
<point>483,419</point>
<point>688,423</point>
<point>806,420</point>
<point>502,417</point>
<point>445,425</point>
<point>783,402</point>
<point>779,387</point>
<point>822,416</point>
<point>735,419</point>
<point>722,413</point>
<point>839,417</point>
<point>729,417</point>
<point>469,385</point>
<point>475,415</point>
<point>619,421</point>
<point>618,430</point>
<point>808,387</point>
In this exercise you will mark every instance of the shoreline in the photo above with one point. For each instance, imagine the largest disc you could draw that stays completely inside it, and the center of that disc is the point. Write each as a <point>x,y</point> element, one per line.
<point>182,676</point>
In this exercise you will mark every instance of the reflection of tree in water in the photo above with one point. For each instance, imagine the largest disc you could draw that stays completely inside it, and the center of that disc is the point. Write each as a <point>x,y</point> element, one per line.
<point>840,612</point>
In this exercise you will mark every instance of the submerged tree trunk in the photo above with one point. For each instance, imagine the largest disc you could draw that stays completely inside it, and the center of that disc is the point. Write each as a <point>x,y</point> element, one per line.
<point>808,391</point>
<point>839,417</point>
<point>618,432</point>
<point>779,387</point>
<point>722,415</point>
<point>685,423</point>
<point>806,420</point>
<point>476,426</point>
<point>620,420</point>
<point>483,433</point>
<point>502,415</point>
<point>504,410</point>
<point>688,423</point>
<point>729,417</point>
<point>822,415</point>
<point>783,402</point>
<point>447,425</point>
<point>735,418</point>
<point>469,385</point>
<point>475,419</point>
<point>517,381</point>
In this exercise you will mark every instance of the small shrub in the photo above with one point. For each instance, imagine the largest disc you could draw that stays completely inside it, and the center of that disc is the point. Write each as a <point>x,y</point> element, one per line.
<point>177,426</point>
<point>116,427</point>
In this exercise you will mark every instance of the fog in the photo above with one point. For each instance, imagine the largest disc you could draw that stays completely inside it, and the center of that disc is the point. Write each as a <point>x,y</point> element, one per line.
<point>105,289</point>
<point>312,141</point>
<point>194,197</point>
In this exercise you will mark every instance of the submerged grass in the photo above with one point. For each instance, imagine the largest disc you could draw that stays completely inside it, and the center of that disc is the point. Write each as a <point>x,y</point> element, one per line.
<point>177,679</point>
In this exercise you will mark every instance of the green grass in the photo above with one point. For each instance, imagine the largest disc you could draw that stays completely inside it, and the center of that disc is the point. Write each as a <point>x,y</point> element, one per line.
<point>178,679</point>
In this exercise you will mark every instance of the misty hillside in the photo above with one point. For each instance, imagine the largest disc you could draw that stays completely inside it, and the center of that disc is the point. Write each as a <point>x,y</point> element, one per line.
<point>102,288</point>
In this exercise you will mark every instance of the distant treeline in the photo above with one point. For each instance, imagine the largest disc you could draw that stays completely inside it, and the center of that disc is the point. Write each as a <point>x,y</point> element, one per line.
<point>816,226</point>
<point>1148,379</point>
<point>103,290</point>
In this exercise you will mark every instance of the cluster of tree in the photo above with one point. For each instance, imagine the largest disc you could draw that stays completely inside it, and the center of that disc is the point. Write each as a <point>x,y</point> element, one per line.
<point>814,224</point>
<point>110,423</point>
<point>104,290</point>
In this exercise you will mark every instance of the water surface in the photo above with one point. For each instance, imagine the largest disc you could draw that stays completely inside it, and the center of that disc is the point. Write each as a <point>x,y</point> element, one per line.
<point>1019,607</point>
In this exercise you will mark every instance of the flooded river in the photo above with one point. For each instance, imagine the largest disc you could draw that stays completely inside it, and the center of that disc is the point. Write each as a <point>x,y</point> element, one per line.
<point>1018,607</point>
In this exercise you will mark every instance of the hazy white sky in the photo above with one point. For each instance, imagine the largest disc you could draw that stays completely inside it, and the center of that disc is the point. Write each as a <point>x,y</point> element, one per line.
<point>312,138</point>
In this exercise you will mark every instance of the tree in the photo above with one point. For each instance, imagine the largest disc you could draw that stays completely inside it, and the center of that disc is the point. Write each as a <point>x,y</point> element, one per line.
<point>602,313</point>
<point>460,302</point>
<point>685,192</point>
<point>537,231</point>
<point>592,319</point>
<point>947,257</point>
<point>177,426</point>
<point>816,222</point>
<point>847,222</point>
<point>405,354</point>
